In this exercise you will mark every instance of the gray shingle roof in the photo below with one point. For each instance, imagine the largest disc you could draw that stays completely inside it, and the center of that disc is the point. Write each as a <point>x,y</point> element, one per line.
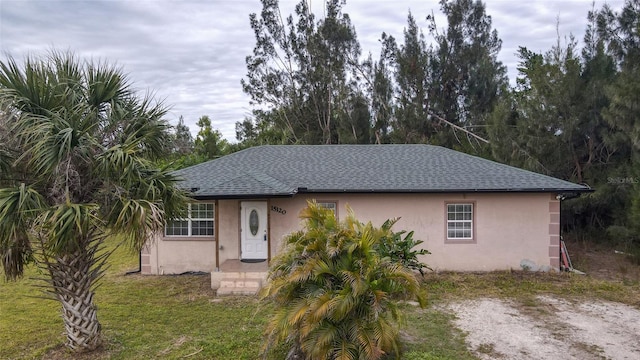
<point>284,170</point>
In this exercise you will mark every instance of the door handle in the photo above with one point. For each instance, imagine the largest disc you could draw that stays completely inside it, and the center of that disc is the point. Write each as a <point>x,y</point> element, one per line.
<point>265,235</point>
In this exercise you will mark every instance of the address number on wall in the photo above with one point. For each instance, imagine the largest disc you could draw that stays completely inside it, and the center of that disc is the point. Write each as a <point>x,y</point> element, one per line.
<point>278,210</point>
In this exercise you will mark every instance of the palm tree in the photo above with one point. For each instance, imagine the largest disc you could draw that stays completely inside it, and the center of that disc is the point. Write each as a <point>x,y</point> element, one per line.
<point>82,146</point>
<point>5,156</point>
<point>335,295</point>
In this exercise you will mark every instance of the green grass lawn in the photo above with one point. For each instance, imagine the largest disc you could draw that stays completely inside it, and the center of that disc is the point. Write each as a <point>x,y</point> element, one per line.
<point>143,317</point>
<point>177,317</point>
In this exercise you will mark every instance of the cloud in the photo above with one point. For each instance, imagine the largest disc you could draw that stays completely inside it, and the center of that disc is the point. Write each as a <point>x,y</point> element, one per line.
<point>192,53</point>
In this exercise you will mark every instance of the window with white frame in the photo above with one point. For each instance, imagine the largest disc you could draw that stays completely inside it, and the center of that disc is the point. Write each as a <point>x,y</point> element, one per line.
<point>460,221</point>
<point>199,222</point>
<point>331,205</point>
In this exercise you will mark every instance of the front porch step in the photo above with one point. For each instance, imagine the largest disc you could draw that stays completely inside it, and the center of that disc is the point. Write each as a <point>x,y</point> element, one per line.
<point>237,283</point>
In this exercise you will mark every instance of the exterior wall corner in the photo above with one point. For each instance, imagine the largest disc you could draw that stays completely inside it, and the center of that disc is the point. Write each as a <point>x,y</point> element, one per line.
<point>554,232</point>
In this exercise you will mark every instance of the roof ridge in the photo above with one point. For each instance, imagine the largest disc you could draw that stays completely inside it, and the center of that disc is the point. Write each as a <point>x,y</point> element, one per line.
<point>270,181</point>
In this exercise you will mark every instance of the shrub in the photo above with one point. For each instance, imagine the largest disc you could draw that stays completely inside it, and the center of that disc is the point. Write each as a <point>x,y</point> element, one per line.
<point>402,249</point>
<point>334,292</point>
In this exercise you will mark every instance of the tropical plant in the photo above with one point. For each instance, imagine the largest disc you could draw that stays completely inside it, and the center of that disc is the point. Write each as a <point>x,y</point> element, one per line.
<point>335,295</point>
<point>402,250</point>
<point>84,142</point>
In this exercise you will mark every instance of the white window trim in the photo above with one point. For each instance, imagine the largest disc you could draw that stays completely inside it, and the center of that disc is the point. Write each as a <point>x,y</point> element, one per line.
<point>190,220</point>
<point>329,204</point>
<point>472,222</point>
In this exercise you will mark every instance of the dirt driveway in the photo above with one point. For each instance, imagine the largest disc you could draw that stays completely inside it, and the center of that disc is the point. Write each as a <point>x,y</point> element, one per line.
<point>545,327</point>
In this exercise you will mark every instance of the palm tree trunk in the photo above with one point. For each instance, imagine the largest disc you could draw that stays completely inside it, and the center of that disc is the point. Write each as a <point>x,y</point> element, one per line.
<point>73,277</point>
<point>295,352</point>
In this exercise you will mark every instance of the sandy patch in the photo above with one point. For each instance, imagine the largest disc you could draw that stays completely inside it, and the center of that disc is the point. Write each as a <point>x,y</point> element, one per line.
<point>549,328</point>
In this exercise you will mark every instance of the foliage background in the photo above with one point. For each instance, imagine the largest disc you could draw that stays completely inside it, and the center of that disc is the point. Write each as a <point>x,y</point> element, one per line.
<point>572,112</point>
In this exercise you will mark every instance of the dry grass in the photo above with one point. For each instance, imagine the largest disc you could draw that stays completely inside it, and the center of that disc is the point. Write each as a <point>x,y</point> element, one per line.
<point>604,262</point>
<point>609,276</point>
<point>519,284</point>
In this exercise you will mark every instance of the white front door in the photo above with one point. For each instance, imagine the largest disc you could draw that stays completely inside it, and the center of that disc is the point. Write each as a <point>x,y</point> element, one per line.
<point>254,237</point>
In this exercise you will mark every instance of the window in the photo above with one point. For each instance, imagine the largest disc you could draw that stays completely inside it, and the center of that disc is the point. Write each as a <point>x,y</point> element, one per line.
<point>199,222</point>
<point>460,221</point>
<point>331,205</point>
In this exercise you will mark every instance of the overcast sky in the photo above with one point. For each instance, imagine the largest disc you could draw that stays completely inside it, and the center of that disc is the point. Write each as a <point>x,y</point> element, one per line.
<point>192,53</point>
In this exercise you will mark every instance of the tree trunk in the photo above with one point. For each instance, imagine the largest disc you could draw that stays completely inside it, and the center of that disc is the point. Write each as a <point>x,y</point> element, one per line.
<point>295,352</point>
<point>73,277</point>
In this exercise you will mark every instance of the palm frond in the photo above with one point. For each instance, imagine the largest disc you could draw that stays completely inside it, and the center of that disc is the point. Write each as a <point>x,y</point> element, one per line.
<point>6,161</point>
<point>324,339</point>
<point>138,197</point>
<point>106,85</point>
<point>136,220</point>
<point>18,208</point>
<point>68,226</point>
<point>143,126</point>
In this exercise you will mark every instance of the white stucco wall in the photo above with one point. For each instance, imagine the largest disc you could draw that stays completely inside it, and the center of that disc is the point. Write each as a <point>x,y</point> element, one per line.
<point>508,229</point>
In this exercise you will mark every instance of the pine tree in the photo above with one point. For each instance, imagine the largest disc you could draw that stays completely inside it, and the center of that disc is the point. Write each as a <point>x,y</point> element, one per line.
<point>209,143</point>
<point>466,76</point>
<point>620,35</point>
<point>302,76</point>
<point>182,138</point>
<point>411,123</point>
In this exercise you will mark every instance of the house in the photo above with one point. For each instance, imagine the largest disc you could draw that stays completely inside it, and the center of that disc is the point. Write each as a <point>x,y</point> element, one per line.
<point>472,214</point>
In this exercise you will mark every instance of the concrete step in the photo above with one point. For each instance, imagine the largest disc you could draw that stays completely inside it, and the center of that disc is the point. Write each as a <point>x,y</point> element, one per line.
<point>237,283</point>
